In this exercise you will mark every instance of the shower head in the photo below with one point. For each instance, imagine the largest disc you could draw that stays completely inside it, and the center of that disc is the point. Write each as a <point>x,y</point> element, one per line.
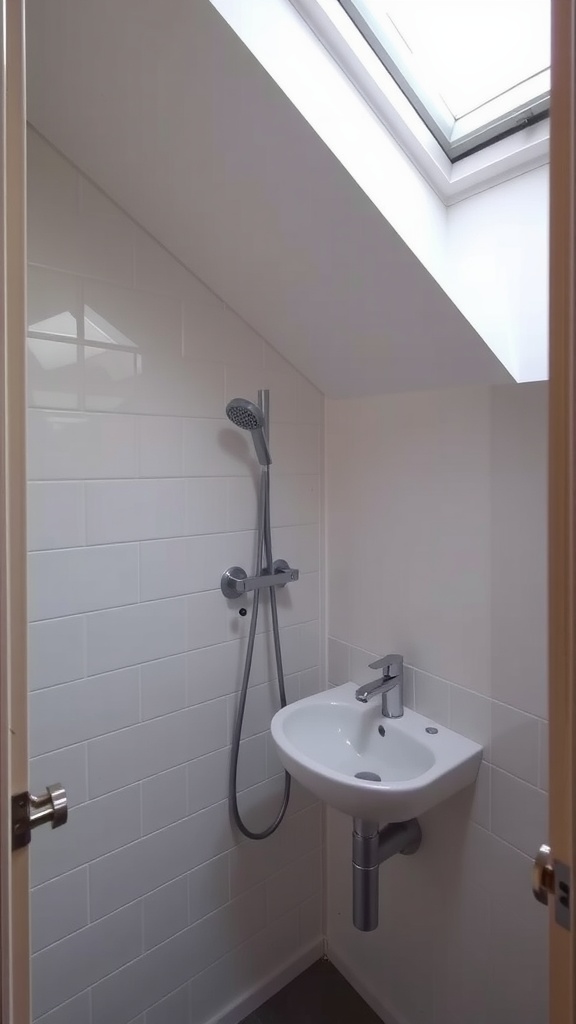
<point>250,417</point>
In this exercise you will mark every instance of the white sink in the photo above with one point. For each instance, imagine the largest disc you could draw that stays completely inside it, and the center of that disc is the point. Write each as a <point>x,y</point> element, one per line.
<point>324,741</point>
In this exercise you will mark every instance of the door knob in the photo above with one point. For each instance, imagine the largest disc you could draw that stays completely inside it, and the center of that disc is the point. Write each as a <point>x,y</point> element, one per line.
<point>551,881</point>
<point>29,811</point>
<point>543,878</point>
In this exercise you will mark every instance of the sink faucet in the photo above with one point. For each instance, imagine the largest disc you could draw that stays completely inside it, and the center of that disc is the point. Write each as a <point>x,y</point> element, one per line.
<point>390,686</point>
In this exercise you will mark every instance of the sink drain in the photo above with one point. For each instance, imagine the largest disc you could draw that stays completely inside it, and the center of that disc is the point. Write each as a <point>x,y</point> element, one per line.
<point>369,776</point>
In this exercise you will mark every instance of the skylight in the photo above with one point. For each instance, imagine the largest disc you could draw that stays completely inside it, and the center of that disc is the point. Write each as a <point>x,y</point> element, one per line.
<point>475,70</point>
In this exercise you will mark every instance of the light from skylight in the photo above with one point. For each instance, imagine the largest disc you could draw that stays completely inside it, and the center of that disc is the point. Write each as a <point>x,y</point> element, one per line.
<point>470,51</point>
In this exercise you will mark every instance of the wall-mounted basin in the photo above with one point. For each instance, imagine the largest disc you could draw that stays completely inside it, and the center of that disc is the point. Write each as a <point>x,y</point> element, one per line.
<point>330,739</point>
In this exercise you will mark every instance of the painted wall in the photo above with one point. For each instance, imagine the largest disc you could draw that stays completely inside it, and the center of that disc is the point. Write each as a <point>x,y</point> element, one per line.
<point>436,521</point>
<point>497,246</point>
<point>147,907</point>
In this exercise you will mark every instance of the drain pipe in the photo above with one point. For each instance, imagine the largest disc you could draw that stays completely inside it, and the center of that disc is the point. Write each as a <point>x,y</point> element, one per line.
<point>371,846</point>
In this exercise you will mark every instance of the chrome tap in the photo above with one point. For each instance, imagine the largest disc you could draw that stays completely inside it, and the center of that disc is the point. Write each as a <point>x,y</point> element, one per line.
<point>390,686</point>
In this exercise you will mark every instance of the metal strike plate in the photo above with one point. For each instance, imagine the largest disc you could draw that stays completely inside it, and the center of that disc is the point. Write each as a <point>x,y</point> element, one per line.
<point>551,878</point>
<point>29,811</point>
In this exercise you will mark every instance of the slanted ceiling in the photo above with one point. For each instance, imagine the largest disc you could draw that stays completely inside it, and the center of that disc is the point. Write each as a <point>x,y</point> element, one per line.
<point>163,106</point>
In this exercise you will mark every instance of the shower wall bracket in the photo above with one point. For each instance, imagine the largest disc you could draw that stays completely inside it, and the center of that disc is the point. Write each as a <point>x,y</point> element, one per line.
<point>371,846</point>
<point>235,582</point>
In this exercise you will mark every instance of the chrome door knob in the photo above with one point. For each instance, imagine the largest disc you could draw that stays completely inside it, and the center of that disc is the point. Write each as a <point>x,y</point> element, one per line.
<point>543,875</point>
<point>29,811</point>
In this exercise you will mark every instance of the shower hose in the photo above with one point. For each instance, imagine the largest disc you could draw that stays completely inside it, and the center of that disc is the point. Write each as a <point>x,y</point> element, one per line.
<point>263,554</point>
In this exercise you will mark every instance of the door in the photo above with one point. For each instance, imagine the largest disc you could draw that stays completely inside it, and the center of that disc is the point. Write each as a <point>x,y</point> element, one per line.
<point>14,941</point>
<point>562,508</point>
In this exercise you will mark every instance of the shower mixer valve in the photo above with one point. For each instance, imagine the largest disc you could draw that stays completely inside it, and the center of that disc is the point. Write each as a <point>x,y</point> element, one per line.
<point>235,581</point>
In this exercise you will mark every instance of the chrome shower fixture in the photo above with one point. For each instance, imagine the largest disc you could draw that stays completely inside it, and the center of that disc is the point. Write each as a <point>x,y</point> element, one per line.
<point>245,414</point>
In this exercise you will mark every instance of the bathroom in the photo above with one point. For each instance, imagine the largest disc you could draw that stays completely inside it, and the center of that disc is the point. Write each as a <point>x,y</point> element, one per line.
<point>194,238</point>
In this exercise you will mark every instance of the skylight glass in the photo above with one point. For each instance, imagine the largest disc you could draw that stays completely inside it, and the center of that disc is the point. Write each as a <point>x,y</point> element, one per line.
<point>474,69</point>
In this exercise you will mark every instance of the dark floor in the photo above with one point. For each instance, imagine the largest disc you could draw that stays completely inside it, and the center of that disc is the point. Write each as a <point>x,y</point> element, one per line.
<point>318,996</point>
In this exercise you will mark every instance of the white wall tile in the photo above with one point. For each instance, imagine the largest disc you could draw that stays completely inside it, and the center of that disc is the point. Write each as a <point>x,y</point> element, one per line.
<point>212,330</point>
<point>63,715</point>
<point>480,811</point>
<point>130,447</point>
<point>295,499</point>
<point>119,759</point>
<point>543,756</point>
<point>156,270</point>
<point>252,761</point>
<point>141,382</point>
<point>338,662</point>
<point>167,967</point>
<point>207,506</point>
<point>55,515</point>
<point>160,446</point>
<point>92,830</point>
<point>138,869</point>
<point>59,908</point>
<point>519,813</point>
<point>297,448</point>
<point>67,766</point>
<point>187,565</point>
<point>165,912</point>
<point>310,682</point>
<point>164,799</point>
<point>139,633</point>
<point>432,697</point>
<point>213,447</point>
<point>311,921</point>
<point>215,989</point>
<point>294,884</point>
<point>208,888</point>
<point>163,686</point>
<point>55,374</point>
<point>62,970</point>
<point>250,863</point>
<point>124,510</point>
<point>74,1011</point>
<point>54,302</point>
<point>208,780</point>
<point>515,742</point>
<point>172,1010</point>
<point>298,545</point>
<point>81,580</point>
<point>470,715</point>
<point>81,446</point>
<point>56,651</point>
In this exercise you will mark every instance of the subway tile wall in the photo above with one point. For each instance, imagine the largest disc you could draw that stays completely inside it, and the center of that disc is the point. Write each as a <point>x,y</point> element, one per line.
<point>438,550</point>
<point>148,907</point>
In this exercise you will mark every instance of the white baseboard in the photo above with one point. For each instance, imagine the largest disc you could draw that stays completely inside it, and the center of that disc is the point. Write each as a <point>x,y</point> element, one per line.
<point>388,1014</point>
<point>270,986</point>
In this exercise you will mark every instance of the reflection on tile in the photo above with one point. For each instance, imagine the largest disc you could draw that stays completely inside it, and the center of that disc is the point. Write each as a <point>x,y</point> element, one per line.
<point>54,374</point>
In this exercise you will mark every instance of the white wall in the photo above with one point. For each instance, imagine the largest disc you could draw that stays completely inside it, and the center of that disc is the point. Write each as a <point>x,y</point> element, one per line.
<point>147,907</point>
<point>436,519</point>
<point>497,249</point>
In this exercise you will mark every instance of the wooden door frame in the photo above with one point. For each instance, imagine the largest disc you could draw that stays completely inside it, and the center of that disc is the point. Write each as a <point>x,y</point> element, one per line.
<point>14,874</point>
<point>562,491</point>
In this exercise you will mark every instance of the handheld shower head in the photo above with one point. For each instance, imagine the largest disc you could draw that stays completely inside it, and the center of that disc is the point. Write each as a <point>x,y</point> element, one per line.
<point>250,417</point>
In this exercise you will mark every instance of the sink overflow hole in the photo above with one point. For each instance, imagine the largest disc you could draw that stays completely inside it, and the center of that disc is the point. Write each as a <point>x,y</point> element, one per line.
<point>381,730</point>
<point>431,729</point>
<point>369,776</point>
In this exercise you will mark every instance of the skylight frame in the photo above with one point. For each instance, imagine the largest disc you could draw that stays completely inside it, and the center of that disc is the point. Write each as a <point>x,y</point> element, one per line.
<point>523,105</point>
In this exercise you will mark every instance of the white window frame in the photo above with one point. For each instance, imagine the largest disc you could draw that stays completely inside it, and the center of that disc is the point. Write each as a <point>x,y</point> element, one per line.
<point>452,181</point>
<point>526,102</point>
